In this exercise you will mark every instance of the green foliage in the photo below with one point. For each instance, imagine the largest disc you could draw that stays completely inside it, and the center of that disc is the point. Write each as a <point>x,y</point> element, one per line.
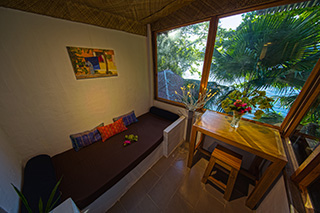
<point>182,49</point>
<point>23,199</point>
<point>49,205</point>
<point>271,118</point>
<point>313,115</point>
<point>269,50</point>
<point>132,138</point>
<point>256,99</point>
<point>275,48</point>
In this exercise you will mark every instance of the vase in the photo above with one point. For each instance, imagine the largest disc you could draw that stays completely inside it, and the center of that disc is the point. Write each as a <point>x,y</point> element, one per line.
<point>189,124</point>
<point>236,119</point>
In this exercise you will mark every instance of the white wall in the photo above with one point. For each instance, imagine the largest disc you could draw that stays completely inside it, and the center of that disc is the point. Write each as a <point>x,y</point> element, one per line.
<point>10,172</point>
<point>41,101</point>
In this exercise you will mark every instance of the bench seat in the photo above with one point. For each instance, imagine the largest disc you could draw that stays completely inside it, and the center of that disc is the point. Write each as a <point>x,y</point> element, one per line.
<point>90,172</point>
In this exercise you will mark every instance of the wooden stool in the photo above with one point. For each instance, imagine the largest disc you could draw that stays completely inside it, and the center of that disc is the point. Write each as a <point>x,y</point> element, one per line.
<point>230,161</point>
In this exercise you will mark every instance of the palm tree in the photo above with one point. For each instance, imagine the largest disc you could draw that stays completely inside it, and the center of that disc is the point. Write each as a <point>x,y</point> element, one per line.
<point>182,49</point>
<point>269,50</point>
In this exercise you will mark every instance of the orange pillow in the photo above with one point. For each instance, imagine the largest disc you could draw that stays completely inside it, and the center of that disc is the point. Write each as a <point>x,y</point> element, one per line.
<point>112,129</point>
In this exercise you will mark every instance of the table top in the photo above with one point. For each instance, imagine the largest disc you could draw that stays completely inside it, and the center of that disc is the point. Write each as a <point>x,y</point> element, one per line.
<point>257,139</point>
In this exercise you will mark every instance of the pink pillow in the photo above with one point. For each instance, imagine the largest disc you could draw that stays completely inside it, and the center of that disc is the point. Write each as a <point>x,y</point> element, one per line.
<point>112,129</point>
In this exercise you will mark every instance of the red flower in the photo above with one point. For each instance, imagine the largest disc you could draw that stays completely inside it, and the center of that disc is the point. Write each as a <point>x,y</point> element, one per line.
<point>241,107</point>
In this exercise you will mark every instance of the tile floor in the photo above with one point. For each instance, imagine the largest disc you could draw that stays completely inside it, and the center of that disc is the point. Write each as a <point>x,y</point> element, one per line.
<point>170,186</point>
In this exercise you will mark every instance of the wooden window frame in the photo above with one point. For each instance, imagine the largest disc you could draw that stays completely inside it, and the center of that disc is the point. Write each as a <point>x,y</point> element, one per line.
<point>309,170</point>
<point>213,26</point>
<point>310,91</point>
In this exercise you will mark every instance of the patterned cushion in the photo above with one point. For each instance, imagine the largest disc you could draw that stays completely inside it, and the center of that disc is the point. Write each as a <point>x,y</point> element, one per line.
<point>112,129</point>
<point>85,138</point>
<point>128,118</point>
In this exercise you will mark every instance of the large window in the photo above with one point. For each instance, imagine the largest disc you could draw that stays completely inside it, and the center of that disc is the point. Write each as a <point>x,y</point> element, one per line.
<point>272,50</point>
<point>180,56</point>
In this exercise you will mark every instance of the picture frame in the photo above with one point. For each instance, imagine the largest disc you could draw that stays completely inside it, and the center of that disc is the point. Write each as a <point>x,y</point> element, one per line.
<point>92,62</point>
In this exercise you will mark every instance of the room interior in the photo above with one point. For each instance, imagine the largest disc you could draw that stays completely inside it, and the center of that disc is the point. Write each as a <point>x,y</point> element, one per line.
<point>42,102</point>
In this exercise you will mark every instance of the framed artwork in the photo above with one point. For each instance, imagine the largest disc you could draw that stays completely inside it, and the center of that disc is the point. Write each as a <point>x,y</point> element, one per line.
<point>92,63</point>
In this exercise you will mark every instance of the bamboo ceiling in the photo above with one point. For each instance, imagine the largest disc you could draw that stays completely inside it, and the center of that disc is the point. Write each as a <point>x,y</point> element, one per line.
<point>132,15</point>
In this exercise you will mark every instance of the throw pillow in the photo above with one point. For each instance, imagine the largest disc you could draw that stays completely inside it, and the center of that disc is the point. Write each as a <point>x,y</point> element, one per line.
<point>112,129</point>
<point>85,138</point>
<point>128,118</point>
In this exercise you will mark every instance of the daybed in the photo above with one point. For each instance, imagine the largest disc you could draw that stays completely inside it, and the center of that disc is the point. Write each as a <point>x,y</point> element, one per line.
<point>96,176</point>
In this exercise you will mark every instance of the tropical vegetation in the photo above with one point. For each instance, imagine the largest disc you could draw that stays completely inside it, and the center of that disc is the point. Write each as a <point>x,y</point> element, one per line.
<point>42,207</point>
<point>271,50</point>
<point>242,102</point>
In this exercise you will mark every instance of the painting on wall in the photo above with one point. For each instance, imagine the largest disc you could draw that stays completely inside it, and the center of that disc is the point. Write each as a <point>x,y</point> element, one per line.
<point>92,63</point>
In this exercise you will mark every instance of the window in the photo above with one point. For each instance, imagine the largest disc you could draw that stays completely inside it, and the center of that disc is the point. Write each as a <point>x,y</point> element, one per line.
<point>180,55</point>
<point>306,136</point>
<point>305,143</point>
<point>272,50</point>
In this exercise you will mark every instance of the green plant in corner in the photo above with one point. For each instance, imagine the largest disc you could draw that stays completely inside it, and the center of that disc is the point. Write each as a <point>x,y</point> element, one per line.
<point>256,99</point>
<point>49,205</point>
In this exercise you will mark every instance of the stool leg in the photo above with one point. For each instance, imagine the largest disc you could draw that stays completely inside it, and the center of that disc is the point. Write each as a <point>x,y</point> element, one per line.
<point>231,180</point>
<point>209,168</point>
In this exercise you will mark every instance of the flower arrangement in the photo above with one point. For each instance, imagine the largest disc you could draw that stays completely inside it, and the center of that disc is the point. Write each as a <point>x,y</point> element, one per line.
<point>130,139</point>
<point>240,107</point>
<point>188,97</point>
<point>241,102</point>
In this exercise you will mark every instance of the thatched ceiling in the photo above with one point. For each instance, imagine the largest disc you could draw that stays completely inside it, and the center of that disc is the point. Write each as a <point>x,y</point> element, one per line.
<point>132,15</point>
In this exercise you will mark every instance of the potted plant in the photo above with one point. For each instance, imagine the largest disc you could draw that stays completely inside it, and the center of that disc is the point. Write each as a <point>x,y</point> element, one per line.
<point>43,208</point>
<point>241,103</point>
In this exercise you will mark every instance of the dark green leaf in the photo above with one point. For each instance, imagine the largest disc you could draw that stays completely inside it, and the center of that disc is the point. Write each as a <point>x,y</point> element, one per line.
<point>23,199</point>
<point>49,206</point>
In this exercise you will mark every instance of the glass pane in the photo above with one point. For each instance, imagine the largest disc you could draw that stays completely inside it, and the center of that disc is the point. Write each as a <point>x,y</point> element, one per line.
<point>306,137</point>
<point>180,55</point>
<point>272,50</point>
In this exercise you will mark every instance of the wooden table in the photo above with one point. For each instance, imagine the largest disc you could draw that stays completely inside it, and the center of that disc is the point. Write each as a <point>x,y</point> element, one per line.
<point>259,140</point>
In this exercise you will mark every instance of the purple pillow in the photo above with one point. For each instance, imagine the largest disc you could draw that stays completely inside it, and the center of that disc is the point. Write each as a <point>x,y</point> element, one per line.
<point>85,138</point>
<point>128,118</point>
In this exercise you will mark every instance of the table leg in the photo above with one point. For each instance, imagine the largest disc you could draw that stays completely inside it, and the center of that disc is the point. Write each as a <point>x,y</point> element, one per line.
<point>264,183</point>
<point>192,144</point>
<point>254,168</point>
